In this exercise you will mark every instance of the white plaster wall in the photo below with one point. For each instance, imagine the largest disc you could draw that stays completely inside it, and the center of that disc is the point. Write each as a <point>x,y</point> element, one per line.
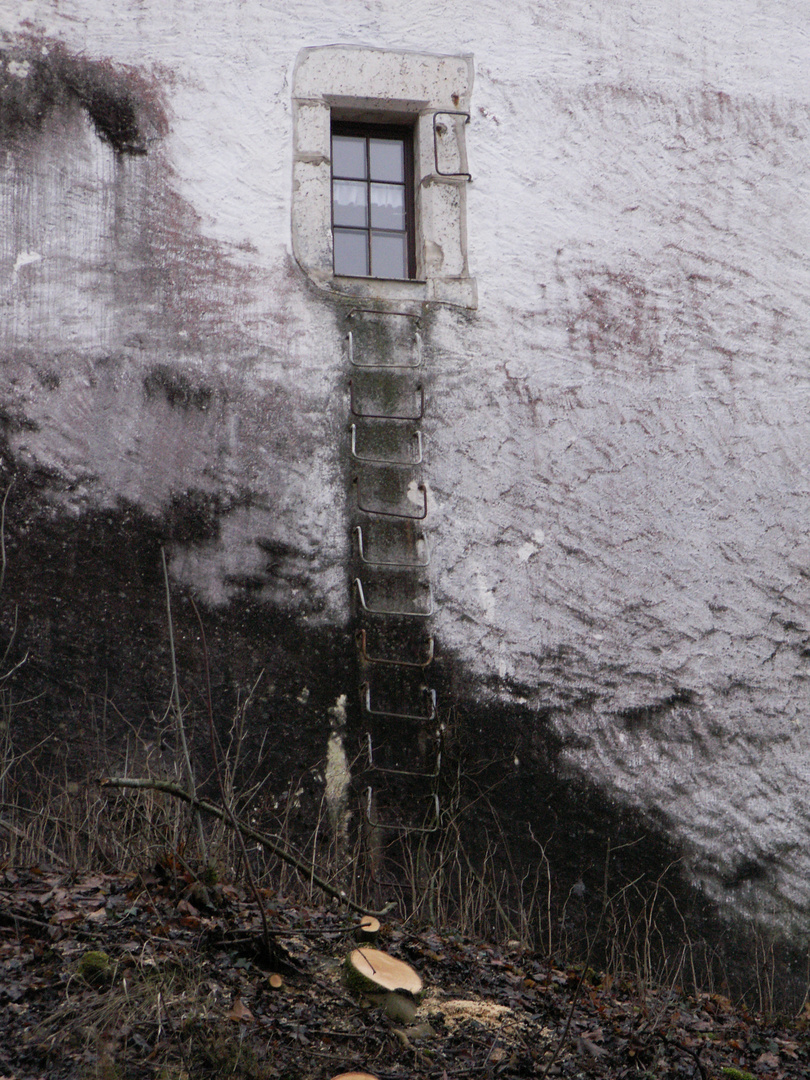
<point>618,439</point>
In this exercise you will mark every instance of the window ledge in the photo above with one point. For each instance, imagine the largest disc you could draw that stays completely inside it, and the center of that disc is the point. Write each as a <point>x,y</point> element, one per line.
<point>461,291</point>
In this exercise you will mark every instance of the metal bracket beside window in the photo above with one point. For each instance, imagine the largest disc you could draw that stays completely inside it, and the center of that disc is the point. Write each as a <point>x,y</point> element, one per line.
<point>436,132</point>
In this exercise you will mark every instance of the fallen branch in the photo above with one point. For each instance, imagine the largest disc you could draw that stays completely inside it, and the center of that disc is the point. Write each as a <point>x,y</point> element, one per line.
<point>11,918</point>
<point>178,792</point>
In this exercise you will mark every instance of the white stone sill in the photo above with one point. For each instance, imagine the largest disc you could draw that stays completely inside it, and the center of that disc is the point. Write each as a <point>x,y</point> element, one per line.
<point>460,291</point>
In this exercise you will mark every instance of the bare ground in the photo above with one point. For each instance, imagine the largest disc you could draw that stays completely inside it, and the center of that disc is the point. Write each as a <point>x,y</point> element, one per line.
<point>186,993</point>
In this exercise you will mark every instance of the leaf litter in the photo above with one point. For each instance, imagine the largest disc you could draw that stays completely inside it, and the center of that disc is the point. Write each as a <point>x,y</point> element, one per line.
<point>187,993</point>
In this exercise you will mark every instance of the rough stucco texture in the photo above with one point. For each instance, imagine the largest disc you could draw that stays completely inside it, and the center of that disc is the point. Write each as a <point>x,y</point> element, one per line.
<point>617,440</point>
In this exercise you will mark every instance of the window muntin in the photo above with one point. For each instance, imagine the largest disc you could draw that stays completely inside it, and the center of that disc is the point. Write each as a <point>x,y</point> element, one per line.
<point>372,201</point>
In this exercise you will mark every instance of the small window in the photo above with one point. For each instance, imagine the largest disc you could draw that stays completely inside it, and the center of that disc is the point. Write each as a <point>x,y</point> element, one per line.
<point>372,201</point>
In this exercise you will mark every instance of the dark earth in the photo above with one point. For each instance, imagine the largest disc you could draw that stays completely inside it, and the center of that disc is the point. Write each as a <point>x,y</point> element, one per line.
<point>182,990</point>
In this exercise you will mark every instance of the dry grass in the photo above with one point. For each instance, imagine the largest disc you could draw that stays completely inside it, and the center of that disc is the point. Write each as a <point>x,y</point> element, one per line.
<point>431,874</point>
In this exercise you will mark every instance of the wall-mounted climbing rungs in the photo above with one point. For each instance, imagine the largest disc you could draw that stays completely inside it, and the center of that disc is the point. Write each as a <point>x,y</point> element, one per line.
<point>414,614</point>
<point>403,463</point>
<point>399,564</point>
<point>360,638</point>
<point>386,356</point>
<point>430,695</point>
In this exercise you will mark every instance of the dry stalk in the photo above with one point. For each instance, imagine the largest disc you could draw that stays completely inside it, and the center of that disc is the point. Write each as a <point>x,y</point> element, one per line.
<point>223,794</point>
<point>178,710</point>
<point>575,996</point>
<point>252,834</point>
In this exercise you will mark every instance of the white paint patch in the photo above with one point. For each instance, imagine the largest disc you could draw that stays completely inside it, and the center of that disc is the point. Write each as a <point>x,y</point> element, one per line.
<point>531,547</point>
<point>418,494</point>
<point>503,667</point>
<point>25,258</point>
<point>485,594</point>
<point>18,68</point>
<point>338,774</point>
<point>337,714</point>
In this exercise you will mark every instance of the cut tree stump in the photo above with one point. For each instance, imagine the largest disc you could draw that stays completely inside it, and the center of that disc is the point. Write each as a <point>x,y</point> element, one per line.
<point>368,929</point>
<point>388,982</point>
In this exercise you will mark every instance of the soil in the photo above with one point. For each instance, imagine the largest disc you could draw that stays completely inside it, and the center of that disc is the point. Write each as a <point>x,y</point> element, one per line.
<point>177,985</point>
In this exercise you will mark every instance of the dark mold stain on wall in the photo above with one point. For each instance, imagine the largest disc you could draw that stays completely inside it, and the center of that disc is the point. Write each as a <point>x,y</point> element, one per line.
<point>128,240</point>
<point>177,388</point>
<point>36,81</point>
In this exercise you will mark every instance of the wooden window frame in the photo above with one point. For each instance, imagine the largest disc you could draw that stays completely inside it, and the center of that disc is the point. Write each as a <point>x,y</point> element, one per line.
<point>382,131</point>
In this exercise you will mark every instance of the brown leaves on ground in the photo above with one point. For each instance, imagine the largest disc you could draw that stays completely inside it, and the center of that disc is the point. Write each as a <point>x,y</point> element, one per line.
<point>189,995</point>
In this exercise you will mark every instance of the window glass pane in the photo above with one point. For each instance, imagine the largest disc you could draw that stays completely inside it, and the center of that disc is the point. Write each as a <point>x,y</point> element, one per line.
<point>387,206</point>
<point>349,202</point>
<point>389,255</point>
<point>351,253</point>
<point>349,156</point>
<point>387,159</point>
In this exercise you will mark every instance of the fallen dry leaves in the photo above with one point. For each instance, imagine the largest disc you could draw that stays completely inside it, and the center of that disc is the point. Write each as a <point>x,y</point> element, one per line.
<point>188,994</point>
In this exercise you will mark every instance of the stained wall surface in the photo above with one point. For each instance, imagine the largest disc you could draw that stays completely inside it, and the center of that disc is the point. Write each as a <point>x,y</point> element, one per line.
<point>616,437</point>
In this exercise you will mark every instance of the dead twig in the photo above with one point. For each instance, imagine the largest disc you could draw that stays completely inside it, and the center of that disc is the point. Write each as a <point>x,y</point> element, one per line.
<point>692,1053</point>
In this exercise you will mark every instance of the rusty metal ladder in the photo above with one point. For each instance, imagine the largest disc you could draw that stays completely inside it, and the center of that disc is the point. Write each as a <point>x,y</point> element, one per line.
<point>391,585</point>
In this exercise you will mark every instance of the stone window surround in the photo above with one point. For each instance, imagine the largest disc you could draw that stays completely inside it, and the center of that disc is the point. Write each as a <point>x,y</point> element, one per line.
<point>349,82</point>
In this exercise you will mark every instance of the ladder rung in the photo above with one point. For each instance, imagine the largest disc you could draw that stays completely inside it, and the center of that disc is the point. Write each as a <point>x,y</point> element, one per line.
<point>401,564</point>
<point>361,645</point>
<point>420,390</point>
<point>365,697</point>
<point>396,462</point>
<point>394,513</point>
<point>383,611</point>
<point>387,367</point>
